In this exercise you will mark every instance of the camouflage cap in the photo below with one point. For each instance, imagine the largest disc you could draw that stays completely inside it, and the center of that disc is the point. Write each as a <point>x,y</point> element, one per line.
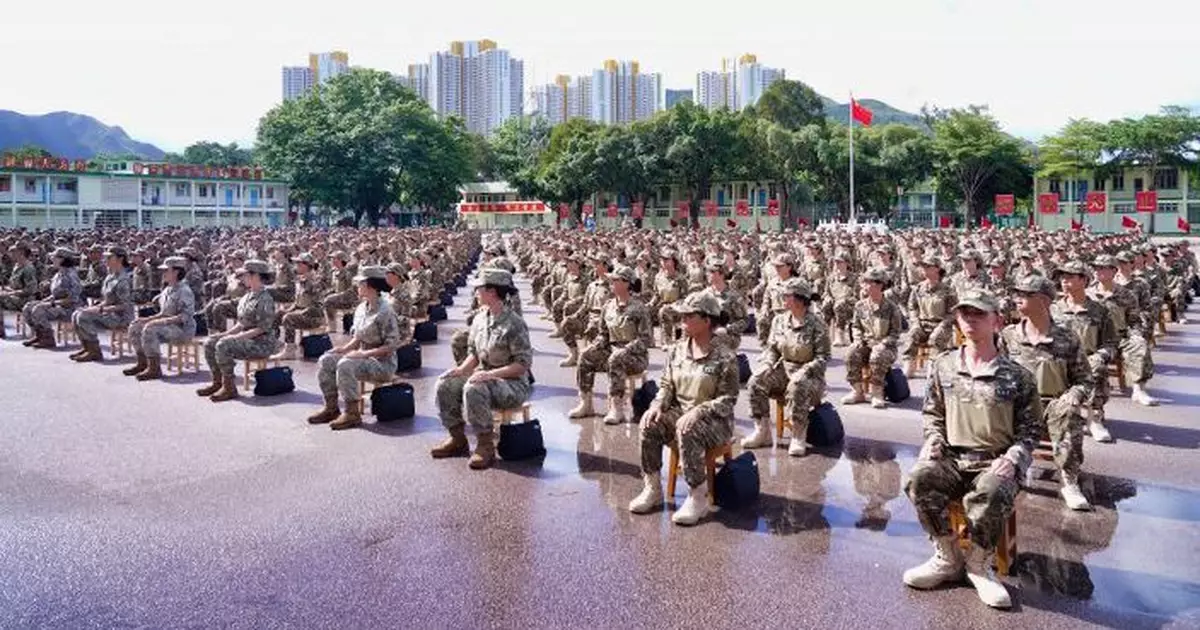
<point>1034,283</point>
<point>622,273</point>
<point>932,261</point>
<point>1125,257</point>
<point>397,269</point>
<point>494,276</point>
<point>1072,268</point>
<point>798,288</point>
<point>305,258</point>
<point>339,255</point>
<point>702,302</point>
<point>714,263</point>
<point>970,254</point>
<point>981,300</point>
<point>174,262</point>
<point>875,275</point>
<point>63,252</point>
<point>254,266</point>
<point>371,271</point>
<point>668,253</point>
<point>1104,260</point>
<point>841,257</point>
<point>116,250</point>
<point>784,259</point>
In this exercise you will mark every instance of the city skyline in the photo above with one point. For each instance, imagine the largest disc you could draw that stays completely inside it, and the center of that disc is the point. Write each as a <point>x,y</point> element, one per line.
<point>173,77</point>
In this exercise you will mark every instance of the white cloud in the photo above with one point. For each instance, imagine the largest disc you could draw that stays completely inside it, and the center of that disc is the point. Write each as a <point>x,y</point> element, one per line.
<point>173,73</point>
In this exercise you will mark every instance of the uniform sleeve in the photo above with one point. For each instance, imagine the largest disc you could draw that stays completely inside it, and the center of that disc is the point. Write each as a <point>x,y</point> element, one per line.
<point>264,317</point>
<point>895,323</point>
<point>1107,336</point>
<point>725,398</point>
<point>187,303</point>
<point>645,327</point>
<point>1079,375</point>
<point>737,313</point>
<point>666,382</point>
<point>1028,423</point>
<point>123,293</point>
<point>951,302</point>
<point>770,352</point>
<point>933,412</point>
<point>405,326</point>
<point>519,345</point>
<point>856,325</point>
<point>821,352</point>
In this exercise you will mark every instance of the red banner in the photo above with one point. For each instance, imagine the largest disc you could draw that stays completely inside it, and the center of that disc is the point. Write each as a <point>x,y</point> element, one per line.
<point>612,211</point>
<point>1183,225</point>
<point>154,169</point>
<point>587,210</point>
<point>743,208</point>
<point>1048,203</point>
<point>525,206</point>
<point>1096,202</point>
<point>684,210</point>
<point>1005,205</point>
<point>1129,222</point>
<point>564,210</point>
<point>710,208</point>
<point>639,209</point>
<point>1076,225</point>
<point>1147,200</point>
<point>773,207</point>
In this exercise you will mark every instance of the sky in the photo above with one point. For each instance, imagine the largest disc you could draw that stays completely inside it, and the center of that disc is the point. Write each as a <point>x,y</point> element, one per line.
<point>174,73</point>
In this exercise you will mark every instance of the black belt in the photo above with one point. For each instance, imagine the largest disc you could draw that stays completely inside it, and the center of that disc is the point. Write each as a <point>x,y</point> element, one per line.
<point>975,455</point>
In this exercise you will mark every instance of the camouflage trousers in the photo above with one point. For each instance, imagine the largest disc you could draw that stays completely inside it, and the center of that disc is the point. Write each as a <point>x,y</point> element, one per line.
<point>222,353</point>
<point>879,358</point>
<point>347,301</point>
<point>550,295</point>
<point>459,401</point>
<point>42,314</point>
<point>693,432</point>
<point>282,295</point>
<point>1100,393</point>
<point>987,498</point>
<point>763,326</point>
<point>1135,353</point>
<point>144,296</point>
<point>564,306</point>
<point>618,361</point>
<point>458,344</point>
<point>88,324</point>
<point>292,321</point>
<point>837,313</point>
<point>939,337</point>
<point>1065,427</point>
<point>538,283</point>
<point>13,303</point>
<point>669,319</point>
<point>218,312</point>
<point>580,324</point>
<point>338,376</point>
<point>801,391</point>
<point>148,340</point>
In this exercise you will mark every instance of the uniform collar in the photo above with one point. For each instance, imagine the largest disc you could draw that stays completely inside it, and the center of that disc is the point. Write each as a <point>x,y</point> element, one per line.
<point>991,368</point>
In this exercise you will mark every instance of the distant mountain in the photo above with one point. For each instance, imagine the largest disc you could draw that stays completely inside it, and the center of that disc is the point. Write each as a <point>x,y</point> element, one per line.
<point>69,135</point>
<point>882,113</point>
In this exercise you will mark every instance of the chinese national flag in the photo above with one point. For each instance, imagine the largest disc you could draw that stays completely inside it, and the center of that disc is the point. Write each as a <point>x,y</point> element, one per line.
<point>731,223</point>
<point>1183,225</point>
<point>1076,225</point>
<point>943,221</point>
<point>985,223</point>
<point>860,113</point>
<point>1128,222</point>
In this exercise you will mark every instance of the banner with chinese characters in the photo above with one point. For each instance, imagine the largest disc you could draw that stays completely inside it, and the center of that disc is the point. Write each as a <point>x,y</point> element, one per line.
<point>1005,205</point>
<point>773,207</point>
<point>1096,202</point>
<point>511,206</point>
<point>743,207</point>
<point>710,208</point>
<point>639,209</point>
<point>1048,203</point>
<point>1146,200</point>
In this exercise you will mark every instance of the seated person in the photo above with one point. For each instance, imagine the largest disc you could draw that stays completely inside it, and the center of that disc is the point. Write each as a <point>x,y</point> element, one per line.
<point>114,311</point>
<point>175,321</point>
<point>254,336</point>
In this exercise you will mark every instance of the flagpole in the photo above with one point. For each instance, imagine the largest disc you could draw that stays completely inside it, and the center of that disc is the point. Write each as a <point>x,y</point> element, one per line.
<point>851,108</point>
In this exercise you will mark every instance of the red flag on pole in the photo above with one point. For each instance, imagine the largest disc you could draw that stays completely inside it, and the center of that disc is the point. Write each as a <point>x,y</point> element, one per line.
<point>985,223</point>
<point>1076,225</point>
<point>943,221</point>
<point>1128,222</point>
<point>1183,225</point>
<point>730,223</point>
<point>860,113</point>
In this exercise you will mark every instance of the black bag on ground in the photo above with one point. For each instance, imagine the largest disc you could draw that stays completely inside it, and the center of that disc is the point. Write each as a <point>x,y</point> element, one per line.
<point>313,346</point>
<point>425,332</point>
<point>824,426</point>
<point>743,369</point>
<point>201,325</point>
<point>347,322</point>
<point>642,399</point>
<point>408,357</point>
<point>460,280</point>
<point>521,440</point>
<point>273,381</point>
<point>751,325</point>
<point>393,402</point>
<point>450,288</point>
<point>437,313</point>
<point>447,298</point>
<point>736,484</point>
<point>895,386</point>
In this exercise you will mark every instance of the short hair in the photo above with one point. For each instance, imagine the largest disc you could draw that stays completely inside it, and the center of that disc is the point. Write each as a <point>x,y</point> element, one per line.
<point>67,263</point>
<point>379,284</point>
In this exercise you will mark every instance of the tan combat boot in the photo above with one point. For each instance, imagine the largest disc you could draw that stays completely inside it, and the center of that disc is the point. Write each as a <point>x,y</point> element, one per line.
<point>349,419</point>
<point>45,339</point>
<point>485,452</point>
<point>74,356</point>
<point>572,359</point>
<point>153,370</point>
<point>454,446</point>
<point>228,390</point>
<point>138,368</point>
<point>212,388</point>
<point>877,398</point>
<point>855,397</point>
<point>584,409</point>
<point>91,353</point>
<point>328,414</point>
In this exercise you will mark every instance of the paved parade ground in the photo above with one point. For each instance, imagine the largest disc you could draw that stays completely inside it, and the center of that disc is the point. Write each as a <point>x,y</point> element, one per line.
<point>126,504</point>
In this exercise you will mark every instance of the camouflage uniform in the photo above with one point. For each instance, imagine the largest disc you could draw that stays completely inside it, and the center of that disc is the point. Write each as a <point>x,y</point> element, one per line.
<point>116,300</point>
<point>1145,321</point>
<point>974,419</point>
<point>694,406</point>
<point>401,302</point>
<point>173,302</point>
<point>931,320</point>
<point>1093,325</point>
<point>255,310</point>
<point>143,284</point>
<point>496,341</point>
<point>24,285</point>
<point>876,332</point>
<point>195,280</point>
<point>621,348</point>
<point>668,289</point>
<point>1063,381</point>
<point>792,366</point>
<point>574,289</point>
<point>772,305</point>
<point>461,337</point>
<point>735,314</point>
<point>218,311</point>
<point>93,279</point>
<point>1128,325</point>
<point>307,311</point>
<point>66,295</point>
<point>283,290</point>
<point>338,375</point>
<point>585,320</point>
<point>344,295</point>
<point>841,293</point>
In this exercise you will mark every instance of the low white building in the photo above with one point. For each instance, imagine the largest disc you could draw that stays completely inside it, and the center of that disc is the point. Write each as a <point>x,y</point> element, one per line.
<point>59,193</point>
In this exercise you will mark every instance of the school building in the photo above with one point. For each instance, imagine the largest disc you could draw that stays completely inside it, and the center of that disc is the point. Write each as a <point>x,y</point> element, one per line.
<point>1103,203</point>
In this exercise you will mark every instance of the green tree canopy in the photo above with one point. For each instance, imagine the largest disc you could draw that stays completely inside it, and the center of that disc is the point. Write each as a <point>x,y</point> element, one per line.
<point>213,154</point>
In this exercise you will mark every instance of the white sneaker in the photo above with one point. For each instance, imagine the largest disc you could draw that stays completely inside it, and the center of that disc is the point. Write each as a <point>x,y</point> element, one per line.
<point>583,409</point>
<point>1182,319</point>
<point>877,399</point>
<point>761,436</point>
<point>979,573</point>
<point>288,353</point>
<point>694,507</point>
<point>1099,431</point>
<point>855,397</point>
<point>651,497</point>
<point>1074,497</point>
<point>798,448</point>
<point>946,565</point>
<point>1142,397</point>
<point>616,411</point>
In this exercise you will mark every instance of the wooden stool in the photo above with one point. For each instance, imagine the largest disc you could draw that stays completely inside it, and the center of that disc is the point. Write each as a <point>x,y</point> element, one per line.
<point>505,416</point>
<point>117,341</point>
<point>1164,315</point>
<point>1117,369</point>
<point>250,366</point>
<point>366,387</point>
<point>922,358</point>
<point>633,382</point>
<point>66,332</point>
<point>183,352</point>
<point>779,420</point>
<point>710,466</point>
<point>1006,548</point>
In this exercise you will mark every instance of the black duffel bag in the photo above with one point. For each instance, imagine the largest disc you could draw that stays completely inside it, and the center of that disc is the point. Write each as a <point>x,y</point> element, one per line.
<point>751,325</point>
<point>447,298</point>
<point>824,426</point>
<point>895,386</point>
<point>313,346</point>
<point>273,381</point>
<point>437,313</point>
<point>743,369</point>
<point>393,402</point>
<point>450,288</point>
<point>201,325</point>
<point>642,399</point>
<point>425,332</point>
<point>521,440</point>
<point>408,357</point>
<point>736,484</point>
<point>347,321</point>
<point>148,311</point>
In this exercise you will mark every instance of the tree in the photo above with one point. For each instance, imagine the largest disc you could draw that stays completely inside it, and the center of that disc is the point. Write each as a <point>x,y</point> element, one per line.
<point>970,151</point>
<point>516,150</point>
<point>436,168</point>
<point>213,154</point>
<point>567,172</point>
<point>790,104</point>
<point>701,147</point>
<point>1171,138</point>
<point>28,151</point>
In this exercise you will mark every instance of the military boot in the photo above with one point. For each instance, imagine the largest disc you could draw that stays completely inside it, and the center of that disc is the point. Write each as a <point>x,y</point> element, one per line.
<point>212,387</point>
<point>979,573</point>
<point>485,452</point>
<point>572,359</point>
<point>761,436</point>
<point>137,368</point>
<point>616,410</point>
<point>651,497</point>
<point>45,339</point>
<point>694,507</point>
<point>855,397</point>
<point>1099,431</point>
<point>74,356</point>
<point>153,370</point>
<point>349,419</point>
<point>328,414</point>
<point>91,353</point>
<point>228,390</point>
<point>877,398</point>
<point>584,409</point>
<point>946,565</point>
<point>454,446</point>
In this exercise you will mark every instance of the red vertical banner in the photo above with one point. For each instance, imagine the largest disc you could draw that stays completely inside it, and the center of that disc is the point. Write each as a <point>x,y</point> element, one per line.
<point>743,207</point>
<point>1048,203</point>
<point>1005,205</point>
<point>1147,201</point>
<point>564,211</point>
<point>1076,225</point>
<point>587,210</point>
<point>773,207</point>
<point>1096,202</point>
<point>684,210</point>
<point>710,208</point>
<point>944,221</point>
<point>1183,225</point>
<point>639,209</point>
<point>612,211</point>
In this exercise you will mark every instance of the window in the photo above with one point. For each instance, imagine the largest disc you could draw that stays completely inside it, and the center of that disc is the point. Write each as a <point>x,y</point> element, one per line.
<point>1169,207</point>
<point>5,184</point>
<point>1166,179</point>
<point>30,185</point>
<point>270,192</point>
<point>181,190</point>
<point>202,190</point>
<point>1055,185</point>
<point>65,186</point>
<point>1122,208</point>
<point>1098,184</point>
<point>1119,182</point>
<point>1138,185</point>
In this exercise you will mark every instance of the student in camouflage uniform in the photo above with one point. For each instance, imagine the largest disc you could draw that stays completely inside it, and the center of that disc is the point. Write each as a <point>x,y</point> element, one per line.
<point>66,295</point>
<point>114,311</point>
<point>254,336</point>
<point>982,419</point>
<point>144,288</point>
<point>94,272</point>
<point>175,321</point>
<point>970,278</point>
<point>399,298</point>
<point>1053,354</point>
<point>693,410</point>
<point>22,284</point>
<point>420,284</point>
<point>344,296</point>
<point>621,349</point>
<point>772,300</point>
<point>195,277</point>
<point>999,284</point>
<point>841,294</point>
<point>734,314</point>
<point>307,312</point>
<point>670,286</point>
<point>1123,308</point>
<point>1093,325</point>
<point>876,326</point>
<point>495,374</point>
<point>1142,325</point>
<point>283,289</point>
<point>694,273</point>
<point>459,340</point>
<point>583,320</point>
<point>219,310</point>
<point>574,287</point>
<point>792,367</point>
<point>930,316</point>
<point>369,355</point>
